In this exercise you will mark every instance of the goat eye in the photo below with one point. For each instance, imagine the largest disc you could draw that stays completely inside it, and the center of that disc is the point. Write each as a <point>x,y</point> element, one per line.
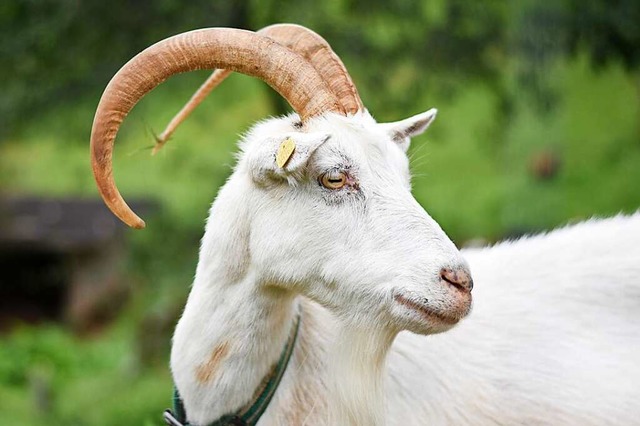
<point>333,180</point>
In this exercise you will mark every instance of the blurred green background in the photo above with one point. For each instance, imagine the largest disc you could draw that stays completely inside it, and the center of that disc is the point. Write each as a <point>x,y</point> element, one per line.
<point>539,126</point>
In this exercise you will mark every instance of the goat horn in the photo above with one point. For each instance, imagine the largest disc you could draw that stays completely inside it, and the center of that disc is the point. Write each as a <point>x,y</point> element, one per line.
<point>318,52</point>
<point>301,40</point>
<point>237,50</point>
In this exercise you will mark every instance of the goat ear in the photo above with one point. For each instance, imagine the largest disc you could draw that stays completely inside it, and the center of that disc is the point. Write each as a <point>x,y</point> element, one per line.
<point>401,131</point>
<point>284,157</point>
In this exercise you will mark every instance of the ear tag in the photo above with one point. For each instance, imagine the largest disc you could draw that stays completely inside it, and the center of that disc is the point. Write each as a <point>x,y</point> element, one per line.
<point>285,151</point>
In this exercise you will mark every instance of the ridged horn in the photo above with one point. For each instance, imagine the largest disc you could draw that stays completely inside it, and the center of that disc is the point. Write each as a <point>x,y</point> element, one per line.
<point>237,50</point>
<point>318,52</point>
<point>301,40</point>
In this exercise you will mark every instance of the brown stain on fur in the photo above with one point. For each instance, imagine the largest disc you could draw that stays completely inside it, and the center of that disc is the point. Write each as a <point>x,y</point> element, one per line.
<point>207,370</point>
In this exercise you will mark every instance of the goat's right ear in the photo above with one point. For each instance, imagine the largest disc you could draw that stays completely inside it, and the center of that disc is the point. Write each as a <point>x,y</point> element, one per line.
<point>283,157</point>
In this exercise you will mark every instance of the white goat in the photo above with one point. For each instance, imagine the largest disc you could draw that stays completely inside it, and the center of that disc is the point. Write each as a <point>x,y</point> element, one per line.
<point>328,232</point>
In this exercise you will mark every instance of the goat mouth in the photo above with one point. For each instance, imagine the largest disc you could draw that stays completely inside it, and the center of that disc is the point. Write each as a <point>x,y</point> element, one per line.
<point>425,311</point>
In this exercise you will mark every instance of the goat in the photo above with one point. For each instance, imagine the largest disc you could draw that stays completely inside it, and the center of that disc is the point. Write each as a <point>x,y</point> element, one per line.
<point>317,227</point>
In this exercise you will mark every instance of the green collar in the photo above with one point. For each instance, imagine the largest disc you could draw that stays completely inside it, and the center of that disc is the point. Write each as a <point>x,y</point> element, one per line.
<point>250,413</point>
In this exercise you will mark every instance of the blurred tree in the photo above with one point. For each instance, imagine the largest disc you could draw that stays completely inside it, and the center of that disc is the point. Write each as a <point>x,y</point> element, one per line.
<point>413,41</point>
<point>543,31</point>
<point>609,29</point>
<point>54,50</point>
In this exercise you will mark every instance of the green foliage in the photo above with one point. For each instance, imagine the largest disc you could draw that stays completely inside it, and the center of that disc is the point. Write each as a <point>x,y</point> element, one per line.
<point>56,50</point>
<point>49,377</point>
<point>53,50</point>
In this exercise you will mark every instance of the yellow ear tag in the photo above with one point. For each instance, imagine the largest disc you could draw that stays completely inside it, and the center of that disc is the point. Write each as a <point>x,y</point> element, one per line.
<point>285,151</point>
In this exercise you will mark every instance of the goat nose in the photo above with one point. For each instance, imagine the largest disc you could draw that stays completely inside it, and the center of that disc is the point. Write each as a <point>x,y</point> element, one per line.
<point>460,278</point>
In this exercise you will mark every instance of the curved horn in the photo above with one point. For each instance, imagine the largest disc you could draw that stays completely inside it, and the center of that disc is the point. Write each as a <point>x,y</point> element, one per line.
<point>237,50</point>
<point>318,52</point>
<point>301,40</point>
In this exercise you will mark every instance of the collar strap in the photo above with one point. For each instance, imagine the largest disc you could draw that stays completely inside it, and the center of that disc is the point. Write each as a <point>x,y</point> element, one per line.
<point>250,413</point>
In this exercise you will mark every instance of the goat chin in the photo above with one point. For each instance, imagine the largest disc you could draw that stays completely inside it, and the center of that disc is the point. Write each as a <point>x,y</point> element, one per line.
<point>553,338</point>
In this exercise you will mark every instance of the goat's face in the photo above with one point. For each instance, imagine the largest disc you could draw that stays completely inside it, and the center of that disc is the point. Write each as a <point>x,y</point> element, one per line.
<point>338,223</point>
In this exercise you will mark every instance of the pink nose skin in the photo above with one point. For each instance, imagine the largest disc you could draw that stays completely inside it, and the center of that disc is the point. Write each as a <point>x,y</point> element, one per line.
<point>460,278</point>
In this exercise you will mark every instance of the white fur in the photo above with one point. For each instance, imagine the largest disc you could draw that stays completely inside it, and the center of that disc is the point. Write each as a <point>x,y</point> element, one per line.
<point>552,338</point>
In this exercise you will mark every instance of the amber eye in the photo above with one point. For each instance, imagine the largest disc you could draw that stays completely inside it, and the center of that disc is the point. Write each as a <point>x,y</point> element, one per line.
<point>333,180</point>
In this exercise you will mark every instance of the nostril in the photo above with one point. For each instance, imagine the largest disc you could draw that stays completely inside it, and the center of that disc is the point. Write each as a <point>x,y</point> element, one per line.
<point>459,278</point>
